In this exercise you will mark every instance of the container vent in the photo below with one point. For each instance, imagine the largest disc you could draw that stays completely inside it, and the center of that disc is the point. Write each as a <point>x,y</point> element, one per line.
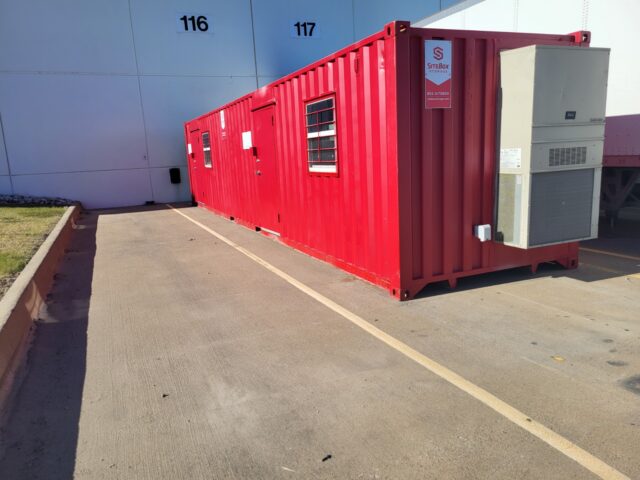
<point>567,156</point>
<point>561,204</point>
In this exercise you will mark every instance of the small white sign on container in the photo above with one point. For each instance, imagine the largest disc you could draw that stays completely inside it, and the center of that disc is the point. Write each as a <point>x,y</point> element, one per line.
<point>510,157</point>
<point>246,140</point>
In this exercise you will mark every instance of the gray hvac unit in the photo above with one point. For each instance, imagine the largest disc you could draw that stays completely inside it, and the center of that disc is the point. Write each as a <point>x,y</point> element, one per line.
<point>551,143</point>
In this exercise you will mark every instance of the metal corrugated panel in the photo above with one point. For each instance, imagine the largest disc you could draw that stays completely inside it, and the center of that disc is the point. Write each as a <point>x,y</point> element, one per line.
<point>236,187</point>
<point>622,141</point>
<point>228,186</point>
<point>411,182</point>
<point>447,160</point>
<point>350,218</point>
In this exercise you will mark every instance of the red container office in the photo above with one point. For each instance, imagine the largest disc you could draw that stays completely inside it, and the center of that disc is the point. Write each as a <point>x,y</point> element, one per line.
<point>403,184</point>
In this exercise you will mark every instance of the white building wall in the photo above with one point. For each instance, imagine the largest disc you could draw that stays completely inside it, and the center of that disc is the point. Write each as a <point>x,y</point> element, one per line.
<point>612,24</point>
<point>93,94</point>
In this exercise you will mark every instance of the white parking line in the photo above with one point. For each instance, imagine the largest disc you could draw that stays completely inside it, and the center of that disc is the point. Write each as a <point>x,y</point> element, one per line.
<point>557,441</point>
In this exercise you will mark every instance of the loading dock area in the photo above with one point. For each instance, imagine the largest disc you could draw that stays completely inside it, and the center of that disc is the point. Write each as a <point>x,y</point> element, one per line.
<point>168,351</point>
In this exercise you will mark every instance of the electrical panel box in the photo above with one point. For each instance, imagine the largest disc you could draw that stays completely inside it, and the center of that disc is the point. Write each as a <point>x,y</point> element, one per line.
<point>552,111</point>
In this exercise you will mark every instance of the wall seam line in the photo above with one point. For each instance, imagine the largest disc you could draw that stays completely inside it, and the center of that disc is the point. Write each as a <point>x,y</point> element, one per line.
<point>120,74</point>
<point>6,154</point>
<point>353,20</point>
<point>144,121</point>
<point>253,40</point>
<point>99,170</point>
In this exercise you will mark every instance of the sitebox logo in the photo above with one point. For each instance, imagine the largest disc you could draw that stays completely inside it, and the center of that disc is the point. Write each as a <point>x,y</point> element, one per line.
<point>437,73</point>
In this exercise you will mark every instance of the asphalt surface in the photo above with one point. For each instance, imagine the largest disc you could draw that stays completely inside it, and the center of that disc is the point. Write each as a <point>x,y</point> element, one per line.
<point>164,353</point>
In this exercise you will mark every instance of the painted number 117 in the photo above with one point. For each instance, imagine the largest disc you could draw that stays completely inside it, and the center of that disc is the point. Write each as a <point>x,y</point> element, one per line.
<point>303,29</point>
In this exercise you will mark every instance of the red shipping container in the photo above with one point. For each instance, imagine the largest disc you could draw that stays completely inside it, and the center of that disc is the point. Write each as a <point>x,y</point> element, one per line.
<point>350,161</point>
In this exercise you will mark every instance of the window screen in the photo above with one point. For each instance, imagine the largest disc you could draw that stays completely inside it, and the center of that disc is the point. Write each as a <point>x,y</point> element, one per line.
<point>321,136</point>
<point>206,149</point>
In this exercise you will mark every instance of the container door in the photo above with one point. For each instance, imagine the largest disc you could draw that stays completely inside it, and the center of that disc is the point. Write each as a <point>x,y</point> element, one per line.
<point>266,169</point>
<point>195,165</point>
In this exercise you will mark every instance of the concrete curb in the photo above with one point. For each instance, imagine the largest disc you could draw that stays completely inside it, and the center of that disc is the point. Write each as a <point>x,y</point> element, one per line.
<point>21,304</point>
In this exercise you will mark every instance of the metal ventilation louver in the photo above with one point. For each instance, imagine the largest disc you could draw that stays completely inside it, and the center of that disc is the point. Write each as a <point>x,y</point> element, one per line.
<point>567,156</point>
<point>551,142</point>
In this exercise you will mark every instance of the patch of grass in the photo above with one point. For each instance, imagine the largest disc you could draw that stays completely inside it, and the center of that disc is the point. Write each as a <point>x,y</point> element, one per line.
<point>22,230</point>
<point>11,263</point>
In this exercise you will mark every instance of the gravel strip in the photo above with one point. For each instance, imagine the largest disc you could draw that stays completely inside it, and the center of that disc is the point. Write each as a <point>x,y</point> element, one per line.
<point>29,200</point>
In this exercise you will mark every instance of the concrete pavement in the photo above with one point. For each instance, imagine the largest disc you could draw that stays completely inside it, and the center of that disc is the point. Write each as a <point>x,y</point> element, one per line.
<point>164,353</point>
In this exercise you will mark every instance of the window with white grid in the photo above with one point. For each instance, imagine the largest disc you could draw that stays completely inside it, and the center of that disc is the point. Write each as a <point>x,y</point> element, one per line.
<point>206,149</point>
<point>322,151</point>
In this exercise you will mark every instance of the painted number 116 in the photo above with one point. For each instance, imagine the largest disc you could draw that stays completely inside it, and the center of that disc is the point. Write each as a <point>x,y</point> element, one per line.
<point>194,24</point>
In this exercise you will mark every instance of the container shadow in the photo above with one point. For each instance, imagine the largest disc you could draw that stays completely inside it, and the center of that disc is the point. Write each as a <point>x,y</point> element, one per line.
<point>609,256</point>
<point>615,253</point>
<point>141,208</point>
<point>492,279</point>
<point>623,236</point>
<point>40,434</point>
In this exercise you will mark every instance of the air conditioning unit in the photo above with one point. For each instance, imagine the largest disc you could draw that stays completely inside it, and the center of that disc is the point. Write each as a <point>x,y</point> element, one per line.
<point>551,142</point>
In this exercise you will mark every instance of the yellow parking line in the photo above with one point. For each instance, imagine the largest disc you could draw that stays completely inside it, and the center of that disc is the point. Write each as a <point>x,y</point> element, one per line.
<point>604,269</point>
<point>611,270</point>
<point>611,254</point>
<point>557,441</point>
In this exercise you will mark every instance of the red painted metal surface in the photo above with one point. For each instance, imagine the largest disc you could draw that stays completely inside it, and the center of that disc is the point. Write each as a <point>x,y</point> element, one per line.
<point>411,182</point>
<point>621,161</point>
<point>622,141</point>
<point>268,201</point>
